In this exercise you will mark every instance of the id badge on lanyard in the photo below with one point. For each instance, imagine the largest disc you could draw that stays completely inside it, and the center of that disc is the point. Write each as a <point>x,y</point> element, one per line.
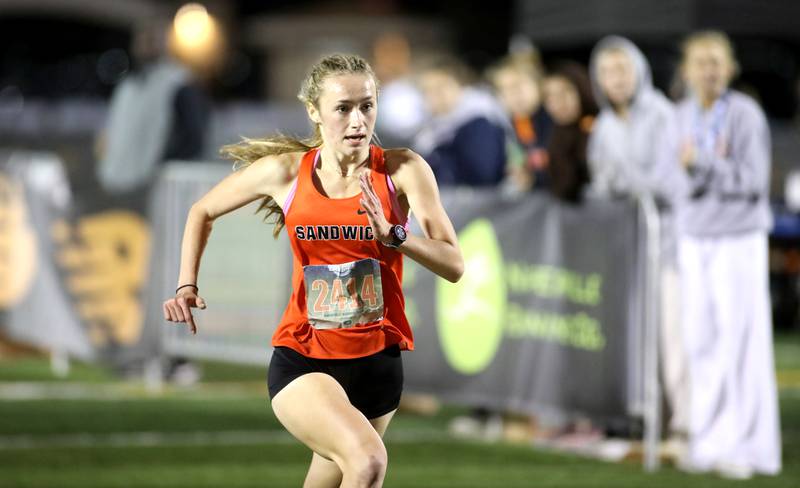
<point>344,295</point>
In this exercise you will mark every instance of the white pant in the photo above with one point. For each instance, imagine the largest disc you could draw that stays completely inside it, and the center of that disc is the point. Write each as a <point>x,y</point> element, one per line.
<point>733,416</point>
<point>674,376</point>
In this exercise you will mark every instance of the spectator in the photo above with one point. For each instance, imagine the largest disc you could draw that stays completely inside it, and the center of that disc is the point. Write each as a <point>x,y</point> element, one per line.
<point>157,113</point>
<point>733,419</point>
<point>517,81</point>
<point>569,101</point>
<point>402,107</point>
<point>634,150</point>
<point>464,139</point>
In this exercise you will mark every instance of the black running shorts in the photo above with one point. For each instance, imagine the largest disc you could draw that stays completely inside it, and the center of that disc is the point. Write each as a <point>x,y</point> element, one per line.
<point>372,383</point>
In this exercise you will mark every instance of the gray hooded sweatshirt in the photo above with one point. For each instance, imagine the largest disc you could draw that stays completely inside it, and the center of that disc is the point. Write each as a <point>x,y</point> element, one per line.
<point>638,154</point>
<point>730,179</point>
<point>139,120</point>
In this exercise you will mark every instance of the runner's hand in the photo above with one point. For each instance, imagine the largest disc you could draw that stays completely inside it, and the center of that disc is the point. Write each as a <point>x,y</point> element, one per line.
<point>372,205</point>
<point>179,309</point>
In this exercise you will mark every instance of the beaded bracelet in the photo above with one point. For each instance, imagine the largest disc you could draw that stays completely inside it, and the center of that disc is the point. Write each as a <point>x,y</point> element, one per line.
<point>196,289</point>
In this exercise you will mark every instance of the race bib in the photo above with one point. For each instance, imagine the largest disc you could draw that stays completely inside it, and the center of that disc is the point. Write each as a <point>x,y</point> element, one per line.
<point>344,295</point>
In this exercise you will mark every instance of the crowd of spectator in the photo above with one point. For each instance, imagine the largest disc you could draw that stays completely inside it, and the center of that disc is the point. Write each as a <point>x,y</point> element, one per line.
<point>604,131</point>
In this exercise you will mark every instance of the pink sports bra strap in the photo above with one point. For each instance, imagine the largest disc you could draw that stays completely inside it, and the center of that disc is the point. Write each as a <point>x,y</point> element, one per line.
<point>396,210</point>
<point>289,199</point>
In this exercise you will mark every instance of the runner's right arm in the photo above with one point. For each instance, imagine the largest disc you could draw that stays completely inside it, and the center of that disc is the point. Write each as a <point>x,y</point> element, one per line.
<point>268,176</point>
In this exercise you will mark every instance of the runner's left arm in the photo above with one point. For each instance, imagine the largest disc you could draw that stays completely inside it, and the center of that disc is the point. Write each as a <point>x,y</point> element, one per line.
<point>438,249</point>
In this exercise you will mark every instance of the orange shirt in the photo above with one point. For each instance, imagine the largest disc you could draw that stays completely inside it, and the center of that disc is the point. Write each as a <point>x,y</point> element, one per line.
<point>342,274</point>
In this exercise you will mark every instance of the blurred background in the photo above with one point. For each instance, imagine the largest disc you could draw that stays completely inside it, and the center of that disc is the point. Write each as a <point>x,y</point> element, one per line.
<point>112,114</point>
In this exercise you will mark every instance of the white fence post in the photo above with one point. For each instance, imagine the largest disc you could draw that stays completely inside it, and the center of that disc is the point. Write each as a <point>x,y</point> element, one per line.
<point>652,305</point>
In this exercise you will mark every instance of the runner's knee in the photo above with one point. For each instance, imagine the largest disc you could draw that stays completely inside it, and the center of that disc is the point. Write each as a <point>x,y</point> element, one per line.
<point>366,462</point>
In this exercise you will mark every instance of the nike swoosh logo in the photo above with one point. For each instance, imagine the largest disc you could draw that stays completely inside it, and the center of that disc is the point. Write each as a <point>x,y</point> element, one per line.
<point>361,212</point>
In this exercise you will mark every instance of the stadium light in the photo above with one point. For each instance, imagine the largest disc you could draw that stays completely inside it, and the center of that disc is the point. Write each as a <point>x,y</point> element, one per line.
<point>193,25</point>
<point>196,37</point>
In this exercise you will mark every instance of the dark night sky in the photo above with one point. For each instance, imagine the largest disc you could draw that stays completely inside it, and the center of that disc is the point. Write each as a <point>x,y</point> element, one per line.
<point>55,56</point>
<point>61,63</point>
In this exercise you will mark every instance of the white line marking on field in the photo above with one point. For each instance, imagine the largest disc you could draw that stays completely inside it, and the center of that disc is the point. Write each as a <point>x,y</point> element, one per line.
<point>10,391</point>
<point>200,438</point>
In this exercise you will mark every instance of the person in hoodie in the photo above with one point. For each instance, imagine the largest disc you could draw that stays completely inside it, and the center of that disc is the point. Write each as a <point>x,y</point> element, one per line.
<point>634,151</point>
<point>569,101</point>
<point>733,420</point>
<point>157,113</point>
<point>464,140</point>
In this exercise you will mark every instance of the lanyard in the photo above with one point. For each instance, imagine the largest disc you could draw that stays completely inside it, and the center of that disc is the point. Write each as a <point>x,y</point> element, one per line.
<point>707,135</point>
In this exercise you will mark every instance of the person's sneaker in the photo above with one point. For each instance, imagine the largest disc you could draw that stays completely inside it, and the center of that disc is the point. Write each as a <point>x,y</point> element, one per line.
<point>613,450</point>
<point>683,464</point>
<point>493,428</point>
<point>734,471</point>
<point>674,449</point>
<point>466,426</point>
<point>185,374</point>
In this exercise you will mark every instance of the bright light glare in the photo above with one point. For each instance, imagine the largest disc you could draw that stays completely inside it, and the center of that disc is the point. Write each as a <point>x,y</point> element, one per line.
<point>196,38</point>
<point>193,25</point>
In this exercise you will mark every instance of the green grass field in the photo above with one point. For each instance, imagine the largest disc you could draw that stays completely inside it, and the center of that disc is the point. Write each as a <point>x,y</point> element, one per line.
<point>89,430</point>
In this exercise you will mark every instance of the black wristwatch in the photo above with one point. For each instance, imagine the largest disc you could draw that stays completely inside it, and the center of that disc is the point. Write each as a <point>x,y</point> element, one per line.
<point>399,236</point>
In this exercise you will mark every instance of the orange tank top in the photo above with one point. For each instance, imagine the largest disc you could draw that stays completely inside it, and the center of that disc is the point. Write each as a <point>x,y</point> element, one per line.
<point>347,299</point>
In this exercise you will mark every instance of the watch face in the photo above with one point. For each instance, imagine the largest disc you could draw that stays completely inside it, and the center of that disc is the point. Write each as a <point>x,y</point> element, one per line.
<point>400,232</point>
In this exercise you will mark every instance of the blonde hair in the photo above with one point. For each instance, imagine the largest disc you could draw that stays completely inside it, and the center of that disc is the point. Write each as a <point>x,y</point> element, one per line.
<point>710,37</point>
<point>525,66</point>
<point>449,65</point>
<point>247,151</point>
